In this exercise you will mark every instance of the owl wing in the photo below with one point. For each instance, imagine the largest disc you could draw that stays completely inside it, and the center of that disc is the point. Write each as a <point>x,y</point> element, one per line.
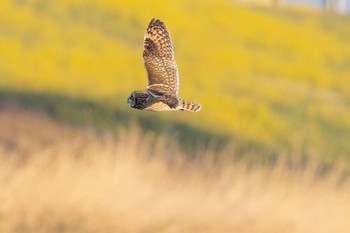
<point>159,60</point>
<point>170,100</point>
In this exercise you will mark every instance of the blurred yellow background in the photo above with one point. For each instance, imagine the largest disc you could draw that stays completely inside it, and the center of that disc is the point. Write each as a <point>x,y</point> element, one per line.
<point>274,76</point>
<point>268,152</point>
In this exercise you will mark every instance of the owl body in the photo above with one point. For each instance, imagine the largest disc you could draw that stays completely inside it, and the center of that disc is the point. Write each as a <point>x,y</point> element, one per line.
<point>144,101</point>
<point>162,89</point>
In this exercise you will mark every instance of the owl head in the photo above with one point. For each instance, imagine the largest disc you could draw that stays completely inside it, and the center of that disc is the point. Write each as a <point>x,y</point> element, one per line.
<point>138,99</point>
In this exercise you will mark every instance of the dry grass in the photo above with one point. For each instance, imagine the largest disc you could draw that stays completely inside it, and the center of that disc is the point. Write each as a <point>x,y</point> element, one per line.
<point>56,178</point>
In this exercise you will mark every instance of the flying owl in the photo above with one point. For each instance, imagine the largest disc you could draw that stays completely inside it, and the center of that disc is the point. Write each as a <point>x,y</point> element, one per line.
<point>162,89</point>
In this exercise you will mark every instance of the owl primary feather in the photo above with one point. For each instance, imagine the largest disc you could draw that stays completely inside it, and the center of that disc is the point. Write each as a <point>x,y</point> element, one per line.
<point>162,89</point>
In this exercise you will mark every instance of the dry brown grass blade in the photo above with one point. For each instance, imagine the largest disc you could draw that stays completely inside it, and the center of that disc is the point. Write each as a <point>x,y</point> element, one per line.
<point>56,178</point>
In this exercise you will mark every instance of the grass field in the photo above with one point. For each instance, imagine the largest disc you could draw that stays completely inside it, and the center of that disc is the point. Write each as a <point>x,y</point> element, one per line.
<point>268,152</point>
<point>59,178</point>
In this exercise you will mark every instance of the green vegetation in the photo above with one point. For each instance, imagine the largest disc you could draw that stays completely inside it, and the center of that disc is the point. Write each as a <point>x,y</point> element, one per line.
<point>82,112</point>
<point>267,148</point>
<point>55,178</point>
<point>269,76</point>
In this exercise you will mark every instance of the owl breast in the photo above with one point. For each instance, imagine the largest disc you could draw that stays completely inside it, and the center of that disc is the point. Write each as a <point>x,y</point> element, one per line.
<point>159,107</point>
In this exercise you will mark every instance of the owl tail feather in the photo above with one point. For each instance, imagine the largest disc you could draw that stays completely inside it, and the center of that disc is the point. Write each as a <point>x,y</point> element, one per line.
<point>187,106</point>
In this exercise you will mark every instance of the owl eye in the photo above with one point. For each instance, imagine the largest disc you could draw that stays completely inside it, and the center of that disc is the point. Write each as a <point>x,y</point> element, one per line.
<point>132,97</point>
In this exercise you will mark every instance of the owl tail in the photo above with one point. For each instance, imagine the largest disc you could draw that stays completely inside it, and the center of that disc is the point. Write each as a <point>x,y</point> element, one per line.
<point>187,106</point>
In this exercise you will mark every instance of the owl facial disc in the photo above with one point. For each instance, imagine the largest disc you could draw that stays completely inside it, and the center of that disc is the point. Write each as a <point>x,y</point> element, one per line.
<point>131,100</point>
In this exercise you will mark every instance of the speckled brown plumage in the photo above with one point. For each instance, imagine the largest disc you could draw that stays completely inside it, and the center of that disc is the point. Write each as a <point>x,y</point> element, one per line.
<point>159,60</point>
<point>162,74</point>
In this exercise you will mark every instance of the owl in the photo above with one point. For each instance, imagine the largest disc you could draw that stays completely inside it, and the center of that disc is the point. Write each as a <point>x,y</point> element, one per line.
<point>162,89</point>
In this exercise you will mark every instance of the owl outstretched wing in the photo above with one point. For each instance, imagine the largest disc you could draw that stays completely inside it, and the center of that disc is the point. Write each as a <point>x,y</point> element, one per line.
<point>170,100</point>
<point>159,60</point>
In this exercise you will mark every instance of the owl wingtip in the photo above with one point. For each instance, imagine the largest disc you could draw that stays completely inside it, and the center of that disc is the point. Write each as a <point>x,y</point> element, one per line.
<point>156,21</point>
